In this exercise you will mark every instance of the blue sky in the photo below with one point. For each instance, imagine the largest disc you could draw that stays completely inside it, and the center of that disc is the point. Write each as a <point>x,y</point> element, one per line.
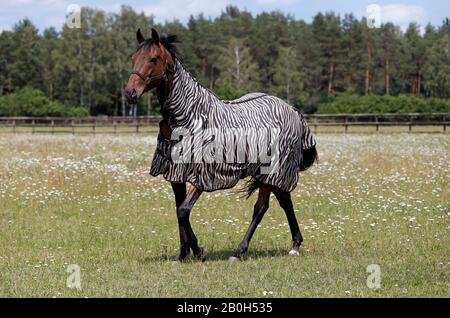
<point>45,13</point>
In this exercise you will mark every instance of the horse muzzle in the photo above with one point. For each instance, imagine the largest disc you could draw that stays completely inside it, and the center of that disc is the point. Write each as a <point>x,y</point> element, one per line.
<point>131,95</point>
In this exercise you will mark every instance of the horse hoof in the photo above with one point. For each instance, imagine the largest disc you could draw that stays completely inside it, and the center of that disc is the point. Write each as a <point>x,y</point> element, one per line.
<point>234,259</point>
<point>294,253</point>
<point>180,258</point>
<point>202,254</point>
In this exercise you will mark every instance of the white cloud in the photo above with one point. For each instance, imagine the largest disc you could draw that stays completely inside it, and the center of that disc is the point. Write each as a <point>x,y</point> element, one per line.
<point>403,14</point>
<point>182,9</point>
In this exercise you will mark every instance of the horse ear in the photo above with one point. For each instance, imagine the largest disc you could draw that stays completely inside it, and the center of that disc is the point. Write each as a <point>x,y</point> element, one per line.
<point>140,38</point>
<point>155,36</point>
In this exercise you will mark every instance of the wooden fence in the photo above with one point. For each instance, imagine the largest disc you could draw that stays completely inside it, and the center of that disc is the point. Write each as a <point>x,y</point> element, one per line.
<point>377,120</point>
<point>91,125</point>
<point>143,124</point>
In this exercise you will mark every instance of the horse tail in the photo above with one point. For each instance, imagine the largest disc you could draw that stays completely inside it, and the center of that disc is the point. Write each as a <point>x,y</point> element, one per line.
<point>309,156</point>
<point>251,186</point>
<point>309,151</point>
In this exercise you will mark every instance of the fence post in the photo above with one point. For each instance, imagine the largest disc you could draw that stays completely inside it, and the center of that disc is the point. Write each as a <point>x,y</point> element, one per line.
<point>410,123</point>
<point>33,122</point>
<point>346,124</point>
<point>14,126</point>
<point>115,126</point>
<point>93,126</point>
<point>444,125</point>
<point>53,126</point>
<point>72,123</point>
<point>376,125</point>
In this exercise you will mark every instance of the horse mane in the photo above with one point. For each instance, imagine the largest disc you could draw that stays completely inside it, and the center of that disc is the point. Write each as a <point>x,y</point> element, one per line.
<point>169,41</point>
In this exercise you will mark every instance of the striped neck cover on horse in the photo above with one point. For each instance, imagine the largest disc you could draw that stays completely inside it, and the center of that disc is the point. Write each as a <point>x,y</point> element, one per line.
<point>194,109</point>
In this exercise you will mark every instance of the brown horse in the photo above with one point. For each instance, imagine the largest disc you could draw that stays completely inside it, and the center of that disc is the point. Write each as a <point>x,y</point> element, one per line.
<point>156,65</point>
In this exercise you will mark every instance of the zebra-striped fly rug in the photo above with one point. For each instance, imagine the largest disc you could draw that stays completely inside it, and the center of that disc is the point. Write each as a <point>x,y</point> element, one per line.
<point>214,143</point>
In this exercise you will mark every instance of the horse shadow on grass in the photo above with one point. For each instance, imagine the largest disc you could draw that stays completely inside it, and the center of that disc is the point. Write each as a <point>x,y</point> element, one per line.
<point>219,255</point>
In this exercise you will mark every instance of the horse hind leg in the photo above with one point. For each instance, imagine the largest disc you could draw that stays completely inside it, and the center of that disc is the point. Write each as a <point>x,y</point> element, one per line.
<point>260,208</point>
<point>284,198</point>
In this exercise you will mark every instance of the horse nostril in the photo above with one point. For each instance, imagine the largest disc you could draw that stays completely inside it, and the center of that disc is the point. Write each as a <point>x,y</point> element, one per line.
<point>131,95</point>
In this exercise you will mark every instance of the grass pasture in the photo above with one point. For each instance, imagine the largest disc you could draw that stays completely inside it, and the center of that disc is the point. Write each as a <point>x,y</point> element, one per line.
<point>88,200</point>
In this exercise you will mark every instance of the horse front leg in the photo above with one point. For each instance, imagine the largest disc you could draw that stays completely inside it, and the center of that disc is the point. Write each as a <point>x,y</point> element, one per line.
<point>179,189</point>
<point>187,236</point>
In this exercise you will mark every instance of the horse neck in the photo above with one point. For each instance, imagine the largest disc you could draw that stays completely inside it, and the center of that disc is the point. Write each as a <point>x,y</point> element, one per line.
<point>187,96</point>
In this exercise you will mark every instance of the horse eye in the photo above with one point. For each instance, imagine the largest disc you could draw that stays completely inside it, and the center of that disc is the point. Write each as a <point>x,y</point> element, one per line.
<point>153,60</point>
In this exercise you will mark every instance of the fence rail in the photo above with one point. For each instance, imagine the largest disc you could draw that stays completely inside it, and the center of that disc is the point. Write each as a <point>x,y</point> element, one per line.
<point>378,120</point>
<point>114,124</point>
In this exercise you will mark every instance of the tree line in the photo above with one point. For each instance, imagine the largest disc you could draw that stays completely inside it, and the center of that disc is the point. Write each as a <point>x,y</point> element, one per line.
<point>310,65</point>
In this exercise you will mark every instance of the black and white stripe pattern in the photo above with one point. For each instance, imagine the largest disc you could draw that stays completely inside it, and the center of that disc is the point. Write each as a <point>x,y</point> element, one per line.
<point>190,104</point>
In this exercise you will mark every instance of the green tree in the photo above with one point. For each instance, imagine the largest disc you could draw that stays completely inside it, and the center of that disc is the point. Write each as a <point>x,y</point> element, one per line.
<point>327,29</point>
<point>308,64</point>
<point>237,52</point>
<point>6,59</point>
<point>354,48</point>
<point>415,58</point>
<point>269,32</point>
<point>369,38</point>
<point>388,57</point>
<point>25,66</point>
<point>288,77</point>
<point>49,45</point>
<point>72,64</point>
<point>437,69</point>
<point>204,34</point>
<point>237,67</point>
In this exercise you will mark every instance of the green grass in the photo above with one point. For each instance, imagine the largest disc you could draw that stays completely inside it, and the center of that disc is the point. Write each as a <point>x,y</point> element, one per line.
<point>373,199</point>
